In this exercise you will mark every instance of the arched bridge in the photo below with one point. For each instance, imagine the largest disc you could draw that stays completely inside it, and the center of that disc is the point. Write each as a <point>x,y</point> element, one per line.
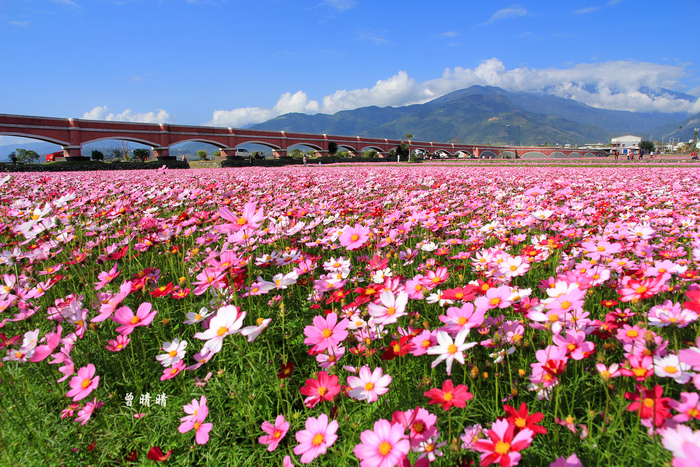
<point>71,134</point>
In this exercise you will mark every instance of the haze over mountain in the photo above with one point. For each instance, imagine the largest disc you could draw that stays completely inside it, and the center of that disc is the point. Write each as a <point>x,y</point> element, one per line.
<point>488,115</point>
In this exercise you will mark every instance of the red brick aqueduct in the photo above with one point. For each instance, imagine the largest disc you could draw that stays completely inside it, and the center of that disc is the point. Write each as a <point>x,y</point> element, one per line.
<point>72,133</point>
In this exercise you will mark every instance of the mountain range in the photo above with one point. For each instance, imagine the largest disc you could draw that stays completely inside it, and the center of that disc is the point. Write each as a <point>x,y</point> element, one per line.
<point>490,115</point>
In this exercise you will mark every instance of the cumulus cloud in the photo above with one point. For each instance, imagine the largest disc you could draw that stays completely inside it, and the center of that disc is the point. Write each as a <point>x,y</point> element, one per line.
<point>513,11</point>
<point>101,113</point>
<point>615,85</point>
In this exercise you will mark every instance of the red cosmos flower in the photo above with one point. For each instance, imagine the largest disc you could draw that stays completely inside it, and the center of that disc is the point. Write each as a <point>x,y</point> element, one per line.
<point>398,348</point>
<point>178,293</point>
<point>337,296</point>
<point>694,303</point>
<point>163,290</point>
<point>156,454</point>
<point>609,303</point>
<point>132,456</point>
<point>522,419</point>
<point>465,294</point>
<point>11,341</point>
<point>650,404</point>
<point>119,254</point>
<point>449,395</point>
<point>285,370</point>
<point>483,287</point>
<point>325,388</point>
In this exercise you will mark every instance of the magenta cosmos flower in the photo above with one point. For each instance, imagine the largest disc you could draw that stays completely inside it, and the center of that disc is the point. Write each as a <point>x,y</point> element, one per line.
<point>316,438</point>
<point>384,446</point>
<point>325,332</point>
<point>275,432</point>
<point>501,447</point>
<point>83,384</point>
<point>129,321</point>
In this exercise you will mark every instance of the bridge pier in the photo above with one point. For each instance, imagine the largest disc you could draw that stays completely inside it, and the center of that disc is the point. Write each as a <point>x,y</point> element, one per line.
<point>74,154</point>
<point>279,153</point>
<point>229,154</point>
<point>163,154</point>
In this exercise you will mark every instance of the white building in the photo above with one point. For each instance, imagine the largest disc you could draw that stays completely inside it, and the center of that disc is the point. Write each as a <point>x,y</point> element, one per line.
<point>621,143</point>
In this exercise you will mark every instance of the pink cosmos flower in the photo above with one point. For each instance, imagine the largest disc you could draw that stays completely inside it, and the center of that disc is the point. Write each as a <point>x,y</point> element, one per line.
<point>250,218</point>
<point>316,438</point>
<point>118,344</point>
<point>422,342</point>
<point>688,408</point>
<point>109,302</point>
<point>571,461</point>
<point>196,421</point>
<point>368,386</point>
<point>86,412</point>
<point>129,321</point>
<point>494,298</point>
<point>326,332</point>
<point>44,350</point>
<point>458,319</point>
<point>275,432</point>
<point>107,277</point>
<point>575,344</point>
<point>354,237</point>
<point>420,422</point>
<point>382,447</point>
<point>83,384</point>
<point>392,307</point>
<point>502,447</point>
<point>173,371</point>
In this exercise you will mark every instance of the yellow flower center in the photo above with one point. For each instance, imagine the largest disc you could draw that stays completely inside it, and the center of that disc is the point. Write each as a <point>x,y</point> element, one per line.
<point>135,320</point>
<point>326,333</point>
<point>369,386</point>
<point>322,390</point>
<point>242,221</point>
<point>565,304</point>
<point>384,448</point>
<point>85,383</point>
<point>520,422</point>
<point>495,301</point>
<point>318,439</point>
<point>448,396</point>
<point>648,402</point>
<point>390,311</point>
<point>502,448</point>
<point>172,353</point>
<point>355,237</point>
<point>222,330</point>
<point>452,349</point>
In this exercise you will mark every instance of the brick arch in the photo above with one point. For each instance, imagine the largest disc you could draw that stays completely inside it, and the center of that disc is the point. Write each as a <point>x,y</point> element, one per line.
<point>122,138</point>
<point>46,139</point>
<point>487,154</point>
<point>589,154</point>
<point>574,155</point>
<point>261,143</point>
<point>198,140</point>
<point>557,155</point>
<point>533,155</point>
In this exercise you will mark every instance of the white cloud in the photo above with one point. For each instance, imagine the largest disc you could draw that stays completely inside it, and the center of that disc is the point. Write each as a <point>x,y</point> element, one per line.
<point>340,5</point>
<point>101,113</point>
<point>583,11</point>
<point>513,11</point>
<point>618,85</point>
<point>21,24</point>
<point>450,34</point>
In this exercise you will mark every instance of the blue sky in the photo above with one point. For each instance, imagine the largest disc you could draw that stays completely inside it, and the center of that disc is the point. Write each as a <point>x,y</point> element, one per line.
<point>233,63</point>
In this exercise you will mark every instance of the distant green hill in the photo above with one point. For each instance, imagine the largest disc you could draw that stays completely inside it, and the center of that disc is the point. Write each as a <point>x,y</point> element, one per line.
<point>481,114</point>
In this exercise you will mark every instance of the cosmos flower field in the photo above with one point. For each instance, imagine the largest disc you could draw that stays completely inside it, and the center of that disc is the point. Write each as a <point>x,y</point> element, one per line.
<point>366,315</point>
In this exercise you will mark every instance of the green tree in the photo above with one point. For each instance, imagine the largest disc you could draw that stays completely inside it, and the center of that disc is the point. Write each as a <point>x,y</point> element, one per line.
<point>217,154</point>
<point>371,154</point>
<point>97,155</point>
<point>403,150</point>
<point>13,157</point>
<point>296,153</point>
<point>26,156</point>
<point>332,148</point>
<point>142,154</point>
<point>202,154</point>
<point>647,146</point>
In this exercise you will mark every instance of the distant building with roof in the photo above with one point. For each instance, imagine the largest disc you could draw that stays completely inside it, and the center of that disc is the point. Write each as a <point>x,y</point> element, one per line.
<point>623,143</point>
